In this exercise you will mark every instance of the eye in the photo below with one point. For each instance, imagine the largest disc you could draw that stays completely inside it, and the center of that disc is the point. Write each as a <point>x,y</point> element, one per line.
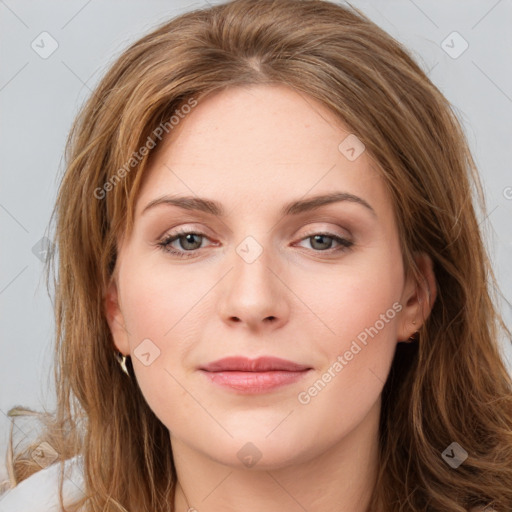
<point>189,241</point>
<point>322,242</point>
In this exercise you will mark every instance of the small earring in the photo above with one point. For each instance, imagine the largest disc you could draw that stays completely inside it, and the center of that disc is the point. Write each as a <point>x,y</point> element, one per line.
<point>121,359</point>
<point>413,336</point>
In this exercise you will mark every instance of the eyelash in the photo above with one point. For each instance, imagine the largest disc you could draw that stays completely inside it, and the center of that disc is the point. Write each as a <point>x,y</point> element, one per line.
<point>165,246</point>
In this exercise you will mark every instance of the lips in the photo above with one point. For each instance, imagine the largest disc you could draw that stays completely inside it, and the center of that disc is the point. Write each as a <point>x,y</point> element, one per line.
<point>261,364</point>
<point>253,376</point>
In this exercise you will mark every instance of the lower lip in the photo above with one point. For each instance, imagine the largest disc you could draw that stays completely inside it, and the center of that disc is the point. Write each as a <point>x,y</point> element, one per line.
<point>254,382</point>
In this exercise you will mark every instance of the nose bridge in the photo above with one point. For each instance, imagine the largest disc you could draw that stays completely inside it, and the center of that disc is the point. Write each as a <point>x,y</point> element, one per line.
<point>252,292</point>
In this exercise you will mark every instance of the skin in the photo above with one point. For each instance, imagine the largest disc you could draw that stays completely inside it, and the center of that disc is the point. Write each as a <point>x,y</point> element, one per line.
<point>254,149</point>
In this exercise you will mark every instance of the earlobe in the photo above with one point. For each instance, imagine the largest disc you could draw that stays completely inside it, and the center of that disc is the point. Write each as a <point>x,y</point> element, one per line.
<point>115,319</point>
<point>418,297</point>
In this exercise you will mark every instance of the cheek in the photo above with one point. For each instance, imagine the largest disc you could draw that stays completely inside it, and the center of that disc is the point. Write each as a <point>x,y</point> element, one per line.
<point>352,297</point>
<point>163,319</point>
<point>152,309</point>
<point>356,364</point>
<point>359,308</point>
<point>157,301</point>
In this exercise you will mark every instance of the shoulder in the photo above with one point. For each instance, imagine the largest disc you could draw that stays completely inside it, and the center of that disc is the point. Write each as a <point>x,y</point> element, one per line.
<point>40,492</point>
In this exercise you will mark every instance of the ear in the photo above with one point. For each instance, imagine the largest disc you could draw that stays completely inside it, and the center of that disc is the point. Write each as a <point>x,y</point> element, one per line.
<point>115,319</point>
<point>418,297</point>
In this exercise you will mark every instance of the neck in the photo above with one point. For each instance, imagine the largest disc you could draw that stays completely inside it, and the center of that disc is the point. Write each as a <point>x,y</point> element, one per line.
<point>339,477</point>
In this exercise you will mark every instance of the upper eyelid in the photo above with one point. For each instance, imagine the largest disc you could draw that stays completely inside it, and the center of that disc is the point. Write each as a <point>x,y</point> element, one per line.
<point>190,228</point>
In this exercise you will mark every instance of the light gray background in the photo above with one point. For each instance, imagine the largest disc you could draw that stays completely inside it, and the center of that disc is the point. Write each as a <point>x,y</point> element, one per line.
<point>39,98</point>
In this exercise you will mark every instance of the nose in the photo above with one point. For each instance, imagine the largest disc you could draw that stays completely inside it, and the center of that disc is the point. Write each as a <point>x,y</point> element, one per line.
<point>253,294</point>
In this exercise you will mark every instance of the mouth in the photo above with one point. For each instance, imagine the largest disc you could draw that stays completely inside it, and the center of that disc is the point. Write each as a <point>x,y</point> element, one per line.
<point>252,376</point>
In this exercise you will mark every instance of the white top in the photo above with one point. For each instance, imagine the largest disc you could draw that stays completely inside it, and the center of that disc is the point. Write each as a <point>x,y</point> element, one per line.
<point>40,491</point>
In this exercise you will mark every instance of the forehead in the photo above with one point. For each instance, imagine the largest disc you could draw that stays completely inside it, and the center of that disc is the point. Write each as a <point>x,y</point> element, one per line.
<point>259,146</point>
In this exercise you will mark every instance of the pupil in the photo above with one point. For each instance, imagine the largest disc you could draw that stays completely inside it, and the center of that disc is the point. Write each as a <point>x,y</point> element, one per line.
<point>190,239</point>
<point>320,238</point>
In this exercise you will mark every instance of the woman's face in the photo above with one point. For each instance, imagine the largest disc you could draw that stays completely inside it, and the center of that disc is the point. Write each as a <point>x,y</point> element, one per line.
<point>254,280</point>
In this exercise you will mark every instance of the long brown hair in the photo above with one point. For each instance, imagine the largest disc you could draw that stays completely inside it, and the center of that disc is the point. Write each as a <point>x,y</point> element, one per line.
<point>451,386</point>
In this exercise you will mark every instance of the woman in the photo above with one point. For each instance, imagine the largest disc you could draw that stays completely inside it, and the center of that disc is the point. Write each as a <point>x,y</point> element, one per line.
<point>266,219</point>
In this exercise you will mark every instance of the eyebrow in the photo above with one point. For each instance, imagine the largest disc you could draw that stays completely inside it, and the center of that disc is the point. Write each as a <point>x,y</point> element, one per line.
<point>292,208</point>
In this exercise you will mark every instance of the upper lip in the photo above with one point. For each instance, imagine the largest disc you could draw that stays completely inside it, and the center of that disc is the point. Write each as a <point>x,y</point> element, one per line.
<point>261,364</point>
